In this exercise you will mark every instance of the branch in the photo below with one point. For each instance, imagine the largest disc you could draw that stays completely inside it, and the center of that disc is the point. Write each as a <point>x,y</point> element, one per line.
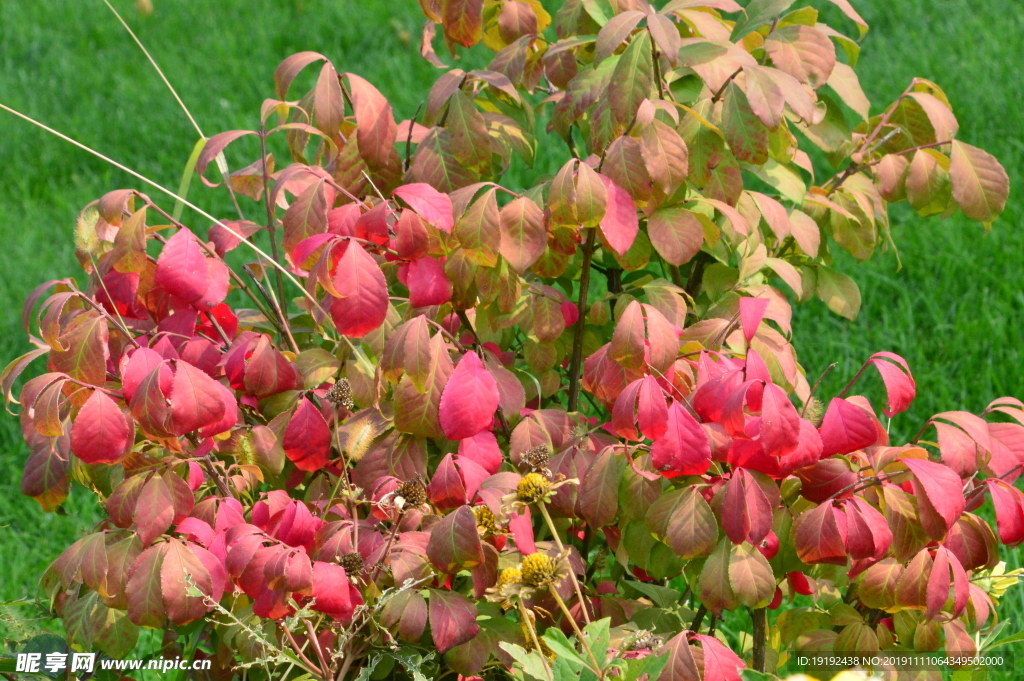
<point>576,365</point>
<point>760,636</point>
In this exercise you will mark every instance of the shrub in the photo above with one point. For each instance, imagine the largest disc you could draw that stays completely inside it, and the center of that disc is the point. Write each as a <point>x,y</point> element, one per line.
<point>444,425</point>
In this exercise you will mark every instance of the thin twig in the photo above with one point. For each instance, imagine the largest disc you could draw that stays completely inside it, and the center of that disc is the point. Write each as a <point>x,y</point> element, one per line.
<point>561,549</point>
<point>576,365</point>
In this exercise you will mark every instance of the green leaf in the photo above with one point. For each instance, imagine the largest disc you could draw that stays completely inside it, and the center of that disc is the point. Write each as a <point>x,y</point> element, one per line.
<point>633,79</point>
<point>759,13</point>
<point>683,519</point>
<point>839,292</point>
<point>659,595</point>
<point>531,662</point>
<point>750,576</point>
<point>598,635</point>
<point>560,645</point>
<point>746,134</point>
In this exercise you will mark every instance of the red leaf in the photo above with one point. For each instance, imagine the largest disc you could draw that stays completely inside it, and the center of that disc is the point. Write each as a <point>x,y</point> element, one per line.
<point>846,428</point>
<point>825,478</point>
<point>376,130</point>
<point>178,562</point>
<point>624,410</point>
<point>446,489</point>
<point>598,496</point>
<point>684,448</point>
<point>196,400</point>
<point>331,591</point>
<point>1009,505</point>
<point>362,304</point>
<point>100,433</point>
<point>430,204</point>
<point>746,511</point>
<point>469,400</point>
<point>428,284</point>
<point>751,314</point>
<point>620,223</point>
<point>900,387</point>
<point>939,494</point>
<point>183,271</point>
<point>452,619</point>
<point>454,542</point>
<point>154,510</point>
<point>307,438</point>
<point>720,663</point>
<point>268,372</point>
<point>652,411</point>
<point>820,536</point>
<point>139,366</point>
<point>411,237</point>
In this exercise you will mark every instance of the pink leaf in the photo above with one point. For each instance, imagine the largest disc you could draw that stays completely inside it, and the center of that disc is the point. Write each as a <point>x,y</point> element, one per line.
<point>430,204</point>
<point>100,432</point>
<point>469,400</point>
<point>652,411</point>
<point>751,314</point>
<point>899,382</point>
<point>746,511</point>
<point>1009,511</point>
<point>521,527</point>
<point>684,448</point>
<point>181,269</point>
<point>780,422</point>
<point>363,302</point>
<point>846,428</point>
<point>196,399</point>
<point>620,223</point>
<point>428,284</point>
<point>570,313</point>
<point>483,449</point>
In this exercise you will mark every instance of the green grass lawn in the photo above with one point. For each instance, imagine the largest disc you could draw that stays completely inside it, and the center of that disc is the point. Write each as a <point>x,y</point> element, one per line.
<point>954,311</point>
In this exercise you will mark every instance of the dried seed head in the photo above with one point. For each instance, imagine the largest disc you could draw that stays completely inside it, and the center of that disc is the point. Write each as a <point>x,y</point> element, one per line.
<point>245,453</point>
<point>533,487</point>
<point>548,653</point>
<point>537,458</point>
<point>814,410</point>
<point>538,569</point>
<point>340,394</point>
<point>485,520</point>
<point>412,492</point>
<point>353,563</point>
<point>643,640</point>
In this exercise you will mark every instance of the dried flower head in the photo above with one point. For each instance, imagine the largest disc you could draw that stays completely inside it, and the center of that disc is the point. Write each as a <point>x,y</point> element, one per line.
<point>508,586</point>
<point>486,523</point>
<point>536,459</point>
<point>353,564</point>
<point>529,646</point>
<point>412,494</point>
<point>538,570</point>
<point>340,394</point>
